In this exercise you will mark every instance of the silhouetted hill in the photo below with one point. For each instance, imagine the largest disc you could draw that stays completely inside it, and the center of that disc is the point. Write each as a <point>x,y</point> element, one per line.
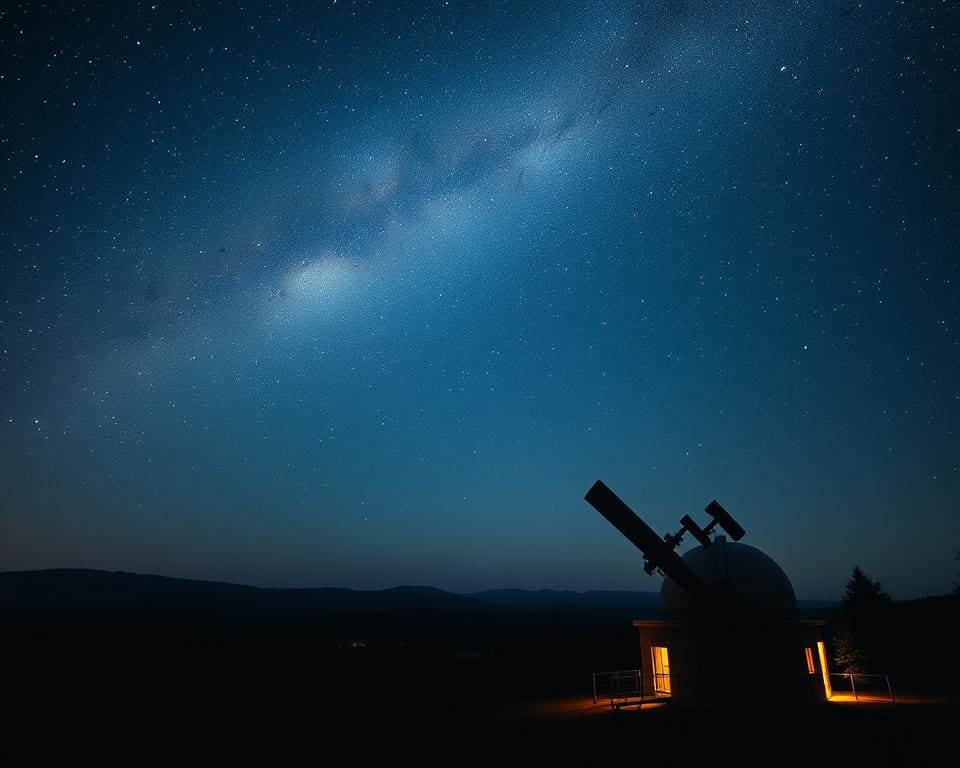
<point>916,641</point>
<point>83,594</point>
<point>550,599</point>
<point>149,639</point>
<point>646,604</point>
<point>89,595</point>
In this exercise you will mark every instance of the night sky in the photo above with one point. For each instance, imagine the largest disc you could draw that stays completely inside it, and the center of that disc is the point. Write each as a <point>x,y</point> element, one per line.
<point>369,293</point>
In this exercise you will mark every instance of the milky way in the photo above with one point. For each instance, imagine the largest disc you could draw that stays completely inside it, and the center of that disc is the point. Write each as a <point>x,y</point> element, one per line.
<point>370,294</point>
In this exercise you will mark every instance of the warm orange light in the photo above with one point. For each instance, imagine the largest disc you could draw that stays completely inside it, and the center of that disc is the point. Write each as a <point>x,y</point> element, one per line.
<point>661,669</point>
<point>824,670</point>
<point>810,667</point>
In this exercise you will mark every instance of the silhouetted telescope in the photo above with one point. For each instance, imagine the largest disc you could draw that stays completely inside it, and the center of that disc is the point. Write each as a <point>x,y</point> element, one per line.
<point>658,553</point>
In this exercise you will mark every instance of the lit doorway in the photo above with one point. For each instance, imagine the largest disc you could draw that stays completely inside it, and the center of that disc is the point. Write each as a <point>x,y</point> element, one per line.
<point>661,669</point>
<point>822,653</point>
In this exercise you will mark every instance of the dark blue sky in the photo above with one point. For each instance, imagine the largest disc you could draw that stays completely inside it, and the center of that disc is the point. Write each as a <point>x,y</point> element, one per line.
<point>365,294</point>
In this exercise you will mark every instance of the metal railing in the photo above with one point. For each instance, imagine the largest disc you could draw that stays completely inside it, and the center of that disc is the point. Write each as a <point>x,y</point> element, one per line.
<point>621,686</point>
<point>869,685</point>
<point>624,687</point>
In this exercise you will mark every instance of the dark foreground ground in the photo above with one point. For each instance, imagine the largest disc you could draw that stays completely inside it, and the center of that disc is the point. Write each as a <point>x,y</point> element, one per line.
<point>143,680</point>
<point>223,704</point>
<point>558,730</point>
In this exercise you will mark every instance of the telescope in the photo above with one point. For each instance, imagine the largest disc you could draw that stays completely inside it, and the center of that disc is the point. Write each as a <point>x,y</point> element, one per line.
<point>658,553</point>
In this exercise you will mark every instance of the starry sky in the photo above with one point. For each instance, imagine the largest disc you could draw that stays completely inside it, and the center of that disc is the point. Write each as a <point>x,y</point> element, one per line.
<point>369,293</point>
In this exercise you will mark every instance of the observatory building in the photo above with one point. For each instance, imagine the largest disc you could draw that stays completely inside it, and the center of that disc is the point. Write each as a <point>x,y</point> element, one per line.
<point>729,635</point>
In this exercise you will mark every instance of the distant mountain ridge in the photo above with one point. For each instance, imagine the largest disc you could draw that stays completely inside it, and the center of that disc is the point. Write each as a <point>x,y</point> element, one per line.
<point>74,591</point>
<point>86,592</point>
<point>567,599</point>
<point>62,593</point>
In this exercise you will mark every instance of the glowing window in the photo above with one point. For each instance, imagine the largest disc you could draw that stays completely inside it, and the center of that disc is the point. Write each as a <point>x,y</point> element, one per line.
<point>661,669</point>
<point>810,666</point>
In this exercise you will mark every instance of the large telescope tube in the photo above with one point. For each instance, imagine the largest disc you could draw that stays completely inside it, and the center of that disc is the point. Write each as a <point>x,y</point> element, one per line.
<point>654,549</point>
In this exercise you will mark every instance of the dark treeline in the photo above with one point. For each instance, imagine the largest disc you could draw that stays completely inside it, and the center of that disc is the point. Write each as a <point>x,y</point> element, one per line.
<point>913,641</point>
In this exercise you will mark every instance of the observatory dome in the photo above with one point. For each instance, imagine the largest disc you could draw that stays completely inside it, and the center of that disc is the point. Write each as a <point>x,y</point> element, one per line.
<point>746,582</point>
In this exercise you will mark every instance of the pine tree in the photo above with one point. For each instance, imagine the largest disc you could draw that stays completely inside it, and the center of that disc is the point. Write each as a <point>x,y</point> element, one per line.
<point>859,641</point>
<point>848,655</point>
<point>863,592</point>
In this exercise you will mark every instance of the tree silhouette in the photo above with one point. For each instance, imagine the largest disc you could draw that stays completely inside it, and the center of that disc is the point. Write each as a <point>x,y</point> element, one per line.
<point>863,593</point>
<point>858,641</point>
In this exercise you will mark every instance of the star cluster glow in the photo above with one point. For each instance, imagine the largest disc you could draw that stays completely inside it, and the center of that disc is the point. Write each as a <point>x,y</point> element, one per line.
<point>364,294</point>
